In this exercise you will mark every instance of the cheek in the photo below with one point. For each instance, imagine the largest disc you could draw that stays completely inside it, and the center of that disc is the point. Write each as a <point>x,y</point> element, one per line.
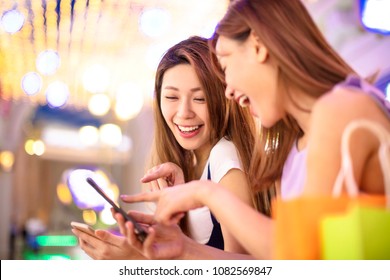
<point>166,111</point>
<point>204,116</point>
<point>239,77</point>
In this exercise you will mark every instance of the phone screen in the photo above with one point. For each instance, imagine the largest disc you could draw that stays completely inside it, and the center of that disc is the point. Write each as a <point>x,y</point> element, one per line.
<point>138,230</point>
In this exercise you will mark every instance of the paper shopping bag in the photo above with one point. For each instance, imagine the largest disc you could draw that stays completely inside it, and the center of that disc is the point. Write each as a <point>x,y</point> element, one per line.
<point>298,223</point>
<point>352,226</point>
<point>361,233</point>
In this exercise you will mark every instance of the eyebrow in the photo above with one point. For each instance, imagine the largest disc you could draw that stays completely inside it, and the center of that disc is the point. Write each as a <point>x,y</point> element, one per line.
<point>175,88</point>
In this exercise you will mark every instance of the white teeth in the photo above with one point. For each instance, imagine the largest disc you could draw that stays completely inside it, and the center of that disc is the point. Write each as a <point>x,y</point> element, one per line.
<point>244,101</point>
<point>188,128</point>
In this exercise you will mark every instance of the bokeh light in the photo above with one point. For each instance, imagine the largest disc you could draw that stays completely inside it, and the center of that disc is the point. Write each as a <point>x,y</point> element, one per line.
<point>375,15</point>
<point>31,83</point>
<point>57,94</point>
<point>38,148</point>
<point>90,217</point>
<point>7,160</point>
<point>85,196</point>
<point>12,21</point>
<point>29,146</point>
<point>99,104</point>
<point>89,135</point>
<point>64,194</point>
<point>110,134</point>
<point>48,62</point>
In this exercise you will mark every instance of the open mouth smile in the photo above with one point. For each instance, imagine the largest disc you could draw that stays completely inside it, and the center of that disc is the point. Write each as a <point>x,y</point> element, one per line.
<point>188,129</point>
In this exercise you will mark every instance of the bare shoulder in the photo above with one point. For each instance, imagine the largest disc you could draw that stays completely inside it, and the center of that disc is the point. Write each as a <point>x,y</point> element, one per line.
<point>343,105</point>
<point>330,115</point>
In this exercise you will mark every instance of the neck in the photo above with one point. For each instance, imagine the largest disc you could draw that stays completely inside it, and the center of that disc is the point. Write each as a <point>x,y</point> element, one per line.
<point>201,156</point>
<point>302,113</point>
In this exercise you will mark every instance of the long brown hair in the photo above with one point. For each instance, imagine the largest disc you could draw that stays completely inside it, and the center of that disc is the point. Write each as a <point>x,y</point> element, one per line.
<point>227,119</point>
<point>306,62</point>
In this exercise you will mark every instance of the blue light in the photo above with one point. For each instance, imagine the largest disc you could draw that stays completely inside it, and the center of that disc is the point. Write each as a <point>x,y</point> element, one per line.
<point>375,15</point>
<point>388,92</point>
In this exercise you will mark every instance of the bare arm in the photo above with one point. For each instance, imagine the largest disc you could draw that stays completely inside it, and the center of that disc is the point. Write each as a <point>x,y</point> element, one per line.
<point>169,242</point>
<point>330,116</point>
<point>235,181</point>
<point>253,229</point>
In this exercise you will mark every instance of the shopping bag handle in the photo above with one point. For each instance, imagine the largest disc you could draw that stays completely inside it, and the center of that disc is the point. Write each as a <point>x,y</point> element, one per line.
<point>346,170</point>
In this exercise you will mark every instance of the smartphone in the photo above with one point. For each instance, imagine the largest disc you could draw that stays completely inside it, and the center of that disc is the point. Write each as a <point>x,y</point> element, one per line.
<point>138,230</point>
<point>83,227</point>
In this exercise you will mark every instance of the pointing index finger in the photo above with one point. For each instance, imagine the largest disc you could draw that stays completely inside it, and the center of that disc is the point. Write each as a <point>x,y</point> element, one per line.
<point>141,197</point>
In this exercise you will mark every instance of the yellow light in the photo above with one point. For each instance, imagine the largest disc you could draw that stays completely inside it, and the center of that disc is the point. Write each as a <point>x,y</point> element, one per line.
<point>64,194</point>
<point>89,216</point>
<point>89,135</point>
<point>7,160</point>
<point>99,104</point>
<point>29,147</point>
<point>111,134</point>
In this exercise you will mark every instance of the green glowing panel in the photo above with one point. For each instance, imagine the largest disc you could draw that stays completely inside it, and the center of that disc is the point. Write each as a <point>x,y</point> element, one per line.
<point>57,240</point>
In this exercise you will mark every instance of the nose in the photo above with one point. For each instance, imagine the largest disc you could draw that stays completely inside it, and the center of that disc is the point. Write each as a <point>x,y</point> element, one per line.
<point>229,93</point>
<point>184,110</point>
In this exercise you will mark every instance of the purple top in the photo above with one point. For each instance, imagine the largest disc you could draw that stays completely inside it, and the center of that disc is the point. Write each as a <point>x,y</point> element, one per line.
<point>294,170</point>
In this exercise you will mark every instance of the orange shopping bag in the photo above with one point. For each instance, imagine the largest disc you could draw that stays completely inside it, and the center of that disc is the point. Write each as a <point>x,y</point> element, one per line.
<point>298,221</point>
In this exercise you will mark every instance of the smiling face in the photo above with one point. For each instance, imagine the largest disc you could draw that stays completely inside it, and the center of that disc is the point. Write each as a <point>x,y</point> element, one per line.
<point>184,107</point>
<point>251,77</point>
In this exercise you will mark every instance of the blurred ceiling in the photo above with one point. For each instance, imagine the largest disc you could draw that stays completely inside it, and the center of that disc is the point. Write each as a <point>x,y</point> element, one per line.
<point>111,34</point>
<point>96,32</point>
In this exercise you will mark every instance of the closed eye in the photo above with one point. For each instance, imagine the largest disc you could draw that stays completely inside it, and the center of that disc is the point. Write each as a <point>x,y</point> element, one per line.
<point>200,100</point>
<point>170,97</point>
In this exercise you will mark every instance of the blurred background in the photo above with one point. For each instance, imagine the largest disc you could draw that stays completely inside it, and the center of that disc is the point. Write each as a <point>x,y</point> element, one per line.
<point>76,86</point>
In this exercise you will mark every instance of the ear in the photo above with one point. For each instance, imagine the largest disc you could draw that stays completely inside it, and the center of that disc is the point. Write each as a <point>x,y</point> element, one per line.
<point>260,48</point>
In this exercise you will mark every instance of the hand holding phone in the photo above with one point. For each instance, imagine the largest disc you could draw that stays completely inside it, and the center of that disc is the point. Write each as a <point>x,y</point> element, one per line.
<point>138,230</point>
